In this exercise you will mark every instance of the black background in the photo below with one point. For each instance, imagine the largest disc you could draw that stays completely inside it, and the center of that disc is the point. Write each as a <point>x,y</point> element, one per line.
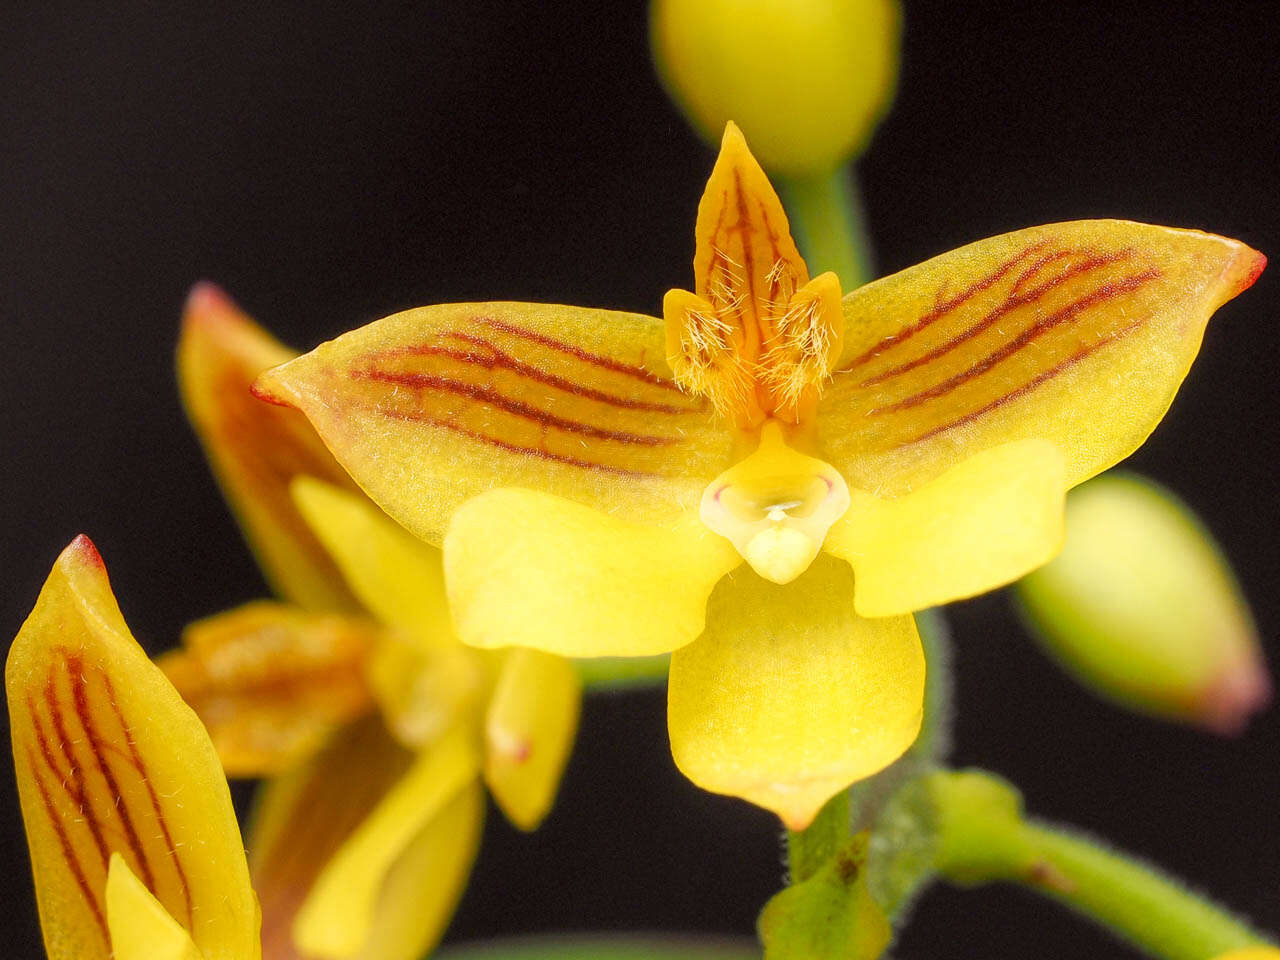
<point>336,162</point>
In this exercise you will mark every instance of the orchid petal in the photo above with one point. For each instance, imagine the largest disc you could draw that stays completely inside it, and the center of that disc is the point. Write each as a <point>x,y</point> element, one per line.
<point>270,681</point>
<point>425,883</point>
<point>397,577</point>
<point>302,818</point>
<point>306,818</point>
<point>424,692</point>
<point>530,569</point>
<point>790,696</point>
<point>982,524</point>
<point>342,909</point>
<point>141,929</point>
<point>432,406</point>
<point>255,449</point>
<point>1077,333</point>
<point>529,730</point>
<point>109,760</point>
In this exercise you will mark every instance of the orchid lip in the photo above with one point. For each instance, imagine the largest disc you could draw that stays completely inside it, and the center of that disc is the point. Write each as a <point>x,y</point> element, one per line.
<point>776,506</point>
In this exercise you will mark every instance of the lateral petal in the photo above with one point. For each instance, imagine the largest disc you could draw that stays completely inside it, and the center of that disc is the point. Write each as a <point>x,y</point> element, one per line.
<point>256,449</point>
<point>529,730</point>
<point>397,577</point>
<point>529,569</point>
<point>423,886</point>
<point>1078,333</point>
<point>432,406</point>
<point>270,681</point>
<point>340,912</point>
<point>790,696</point>
<point>141,929</point>
<point>982,524</point>
<point>109,760</point>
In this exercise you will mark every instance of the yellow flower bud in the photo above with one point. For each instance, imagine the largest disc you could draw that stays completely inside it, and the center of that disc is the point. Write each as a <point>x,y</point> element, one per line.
<point>805,79</point>
<point>1143,608</point>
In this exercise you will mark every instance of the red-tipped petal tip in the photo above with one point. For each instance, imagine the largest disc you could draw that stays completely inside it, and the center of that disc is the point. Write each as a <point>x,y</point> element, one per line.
<point>205,299</point>
<point>82,550</point>
<point>263,391</point>
<point>1245,269</point>
<point>1255,269</point>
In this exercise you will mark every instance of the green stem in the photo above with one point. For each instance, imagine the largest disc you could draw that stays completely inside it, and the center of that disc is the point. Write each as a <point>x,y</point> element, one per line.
<point>826,216</point>
<point>1133,900</point>
<point>809,849</point>
<point>982,837</point>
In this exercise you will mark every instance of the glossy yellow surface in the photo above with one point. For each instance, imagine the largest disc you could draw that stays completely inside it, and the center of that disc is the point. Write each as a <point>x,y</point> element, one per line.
<point>141,929</point>
<point>529,728</point>
<point>983,523</point>
<point>526,568</point>
<point>790,696</point>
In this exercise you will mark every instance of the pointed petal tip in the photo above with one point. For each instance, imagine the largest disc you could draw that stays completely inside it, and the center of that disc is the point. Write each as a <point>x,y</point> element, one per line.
<point>82,549</point>
<point>796,819</point>
<point>204,300</point>
<point>1255,262</point>
<point>269,388</point>
<point>1235,697</point>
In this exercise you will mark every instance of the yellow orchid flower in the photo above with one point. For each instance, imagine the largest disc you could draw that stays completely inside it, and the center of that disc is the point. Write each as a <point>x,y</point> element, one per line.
<point>134,843</point>
<point>595,478</point>
<point>364,836</point>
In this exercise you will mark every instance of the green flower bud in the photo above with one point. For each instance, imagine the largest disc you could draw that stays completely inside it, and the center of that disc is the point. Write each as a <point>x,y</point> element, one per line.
<point>1142,607</point>
<point>806,80</point>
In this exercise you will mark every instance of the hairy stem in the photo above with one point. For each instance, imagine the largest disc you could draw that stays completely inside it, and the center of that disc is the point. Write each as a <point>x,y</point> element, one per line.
<point>982,837</point>
<point>1135,901</point>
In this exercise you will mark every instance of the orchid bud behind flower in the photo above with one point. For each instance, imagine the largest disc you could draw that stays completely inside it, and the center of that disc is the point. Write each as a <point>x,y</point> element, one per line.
<point>805,79</point>
<point>1143,608</point>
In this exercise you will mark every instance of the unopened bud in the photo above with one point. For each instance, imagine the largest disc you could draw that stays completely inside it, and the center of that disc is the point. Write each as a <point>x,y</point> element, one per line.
<point>1143,608</point>
<point>805,79</point>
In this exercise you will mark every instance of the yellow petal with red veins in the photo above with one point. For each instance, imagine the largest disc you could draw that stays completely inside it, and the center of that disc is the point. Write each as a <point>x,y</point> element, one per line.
<point>756,337</point>
<point>397,577</point>
<point>342,909</point>
<point>982,524</point>
<point>529,569</point>
<point>109,760</point>
<point>790,696</point>
<point>271,681</point>
<point>256,449</point>
<point>141,929</point>
<point>1078,333</point>
<point>529,731</point>
<point>430,407</point>
<point>302,818</point>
